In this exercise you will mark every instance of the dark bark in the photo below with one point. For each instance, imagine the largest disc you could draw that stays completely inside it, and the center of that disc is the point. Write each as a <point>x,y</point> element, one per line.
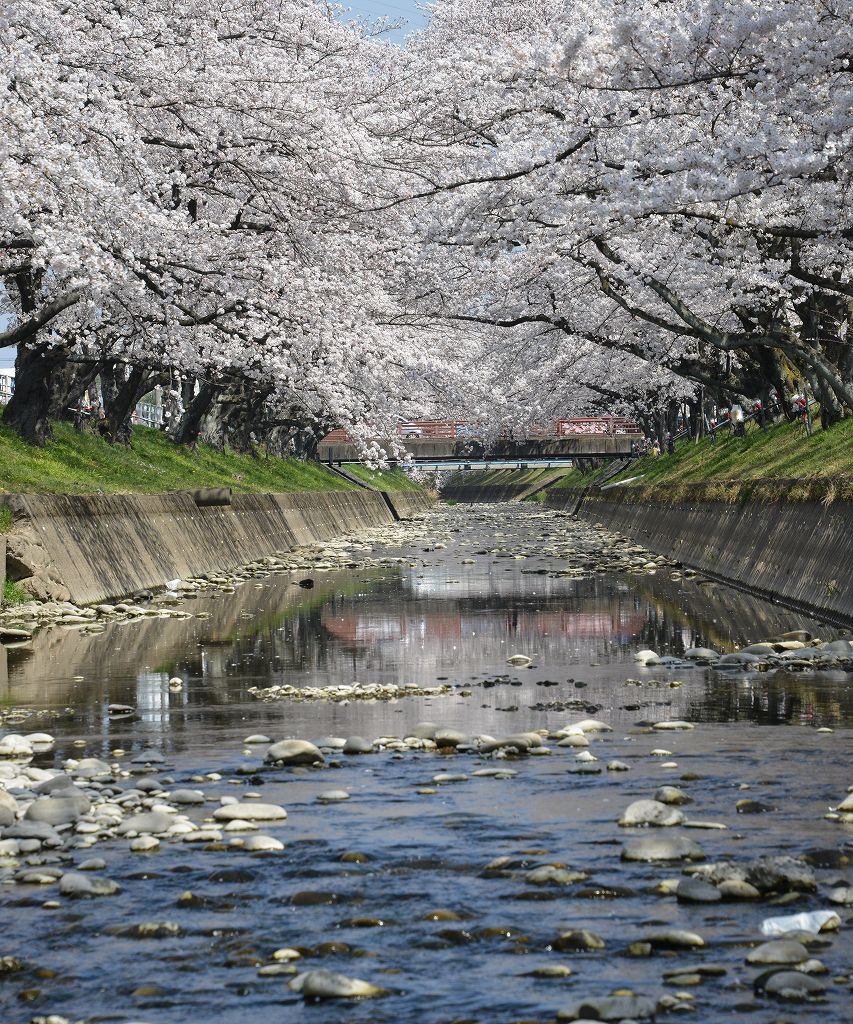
<point>241,418</point>
<point>124,390</point>
<point>189,426</point>
<point>47,387</point>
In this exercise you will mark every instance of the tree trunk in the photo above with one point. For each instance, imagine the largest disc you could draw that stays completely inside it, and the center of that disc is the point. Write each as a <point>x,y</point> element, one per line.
<point>189,427</point>
<point>124,396</point>
<point>43,377</point>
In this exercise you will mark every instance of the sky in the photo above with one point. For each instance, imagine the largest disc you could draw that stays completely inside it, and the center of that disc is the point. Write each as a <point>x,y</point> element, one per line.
<point>406,9</point>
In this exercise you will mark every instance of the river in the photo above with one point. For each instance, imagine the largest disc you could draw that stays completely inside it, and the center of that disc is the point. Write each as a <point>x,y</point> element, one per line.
<point>389,885</point>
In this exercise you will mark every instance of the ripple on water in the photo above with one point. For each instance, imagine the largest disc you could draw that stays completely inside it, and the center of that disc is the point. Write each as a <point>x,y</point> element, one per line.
<point>395,886</point>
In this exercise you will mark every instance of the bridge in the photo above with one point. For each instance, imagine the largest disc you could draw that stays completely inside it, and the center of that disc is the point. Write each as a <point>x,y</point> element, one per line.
<point>445,443</point>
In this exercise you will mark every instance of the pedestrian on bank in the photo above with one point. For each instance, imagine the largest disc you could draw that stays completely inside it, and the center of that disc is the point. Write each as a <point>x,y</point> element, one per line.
<point>801,404</point>
<point>670,444</point>
<point>758,413</point>
<point>736,416</point>
<point>712,429</point>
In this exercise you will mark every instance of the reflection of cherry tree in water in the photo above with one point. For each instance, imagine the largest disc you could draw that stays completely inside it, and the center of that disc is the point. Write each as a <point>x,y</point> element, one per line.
<point>773,697</point>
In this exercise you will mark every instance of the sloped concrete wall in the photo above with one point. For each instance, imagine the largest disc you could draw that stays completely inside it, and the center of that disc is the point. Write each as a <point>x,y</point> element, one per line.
<point>800,552</point>
<point>473,486</point>
<point>104,546</point>
<point>407,504</point>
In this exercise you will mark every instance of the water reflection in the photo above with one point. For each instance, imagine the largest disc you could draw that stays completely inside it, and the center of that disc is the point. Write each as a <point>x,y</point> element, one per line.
<point>403,623</point>
<point>423,851</point>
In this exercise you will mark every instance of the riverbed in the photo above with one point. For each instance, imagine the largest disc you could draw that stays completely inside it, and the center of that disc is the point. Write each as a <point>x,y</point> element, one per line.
<point>517,620</point>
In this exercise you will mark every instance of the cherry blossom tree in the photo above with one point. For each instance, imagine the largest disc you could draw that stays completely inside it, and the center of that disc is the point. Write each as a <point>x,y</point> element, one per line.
<point>666,180</point>
<point>183,199</point>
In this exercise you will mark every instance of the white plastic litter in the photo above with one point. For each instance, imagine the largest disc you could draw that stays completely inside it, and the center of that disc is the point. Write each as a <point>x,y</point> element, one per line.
<point>809,921</point>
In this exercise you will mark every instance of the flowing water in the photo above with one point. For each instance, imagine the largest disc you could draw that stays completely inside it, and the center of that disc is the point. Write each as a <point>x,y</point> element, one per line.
<point>389,886</point>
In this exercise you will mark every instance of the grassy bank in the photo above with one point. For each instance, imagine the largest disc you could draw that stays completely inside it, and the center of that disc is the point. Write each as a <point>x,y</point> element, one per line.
<point>782,452</point>
<point>83,463</point>
<point>384,479</point>
<point>506,477</point>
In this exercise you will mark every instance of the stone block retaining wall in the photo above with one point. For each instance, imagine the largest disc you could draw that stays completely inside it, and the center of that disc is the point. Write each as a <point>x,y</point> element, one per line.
<point>798,552</point>
<point>97,547</point>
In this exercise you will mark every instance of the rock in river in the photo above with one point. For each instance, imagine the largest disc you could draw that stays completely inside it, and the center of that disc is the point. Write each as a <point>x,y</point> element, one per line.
<point>323,984</point>
<point>577,939</point>
<point>671,795</point>
<point>674,938</point>
<point>451,738</point>
<point>294,752</point>
<point>148,821</point>
<point>610,1008</point>
<point>59,810</point>
<point>694,890</point>
<point>792,985</point>
<point>262,844</point>
<point>250,811</point>
<point>186,796</point>
<point>358,745</point>
<point>80,886</point>
<point>781,874</point>
<point>650,812</point>
<point>662,849</point>
<point>779,951</point>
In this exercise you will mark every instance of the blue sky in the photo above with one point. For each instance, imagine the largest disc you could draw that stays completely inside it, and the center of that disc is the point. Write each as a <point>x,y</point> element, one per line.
<point>407,9</point>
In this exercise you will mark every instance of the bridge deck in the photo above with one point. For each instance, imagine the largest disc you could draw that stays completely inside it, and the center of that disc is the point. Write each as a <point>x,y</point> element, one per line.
<point>423,449</point>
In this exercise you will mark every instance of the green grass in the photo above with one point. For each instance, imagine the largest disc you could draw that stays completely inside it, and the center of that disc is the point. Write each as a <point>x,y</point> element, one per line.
<point>573,478</point>
<point>13,593</point>
<point>83,463</point>
<point>5,519</point>
<point>384,479</point>
<point>504,477</point>
<point>782,452</point>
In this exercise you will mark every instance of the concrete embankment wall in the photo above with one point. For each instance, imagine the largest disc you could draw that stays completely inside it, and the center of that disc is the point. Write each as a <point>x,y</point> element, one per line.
<point>473,486</point>
<point>798,552</point>
<point>97,547</point>
<point>405,504</point>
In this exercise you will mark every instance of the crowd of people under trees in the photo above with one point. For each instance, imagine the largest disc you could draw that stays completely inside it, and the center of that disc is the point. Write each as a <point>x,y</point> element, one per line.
<point>531,210</point>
